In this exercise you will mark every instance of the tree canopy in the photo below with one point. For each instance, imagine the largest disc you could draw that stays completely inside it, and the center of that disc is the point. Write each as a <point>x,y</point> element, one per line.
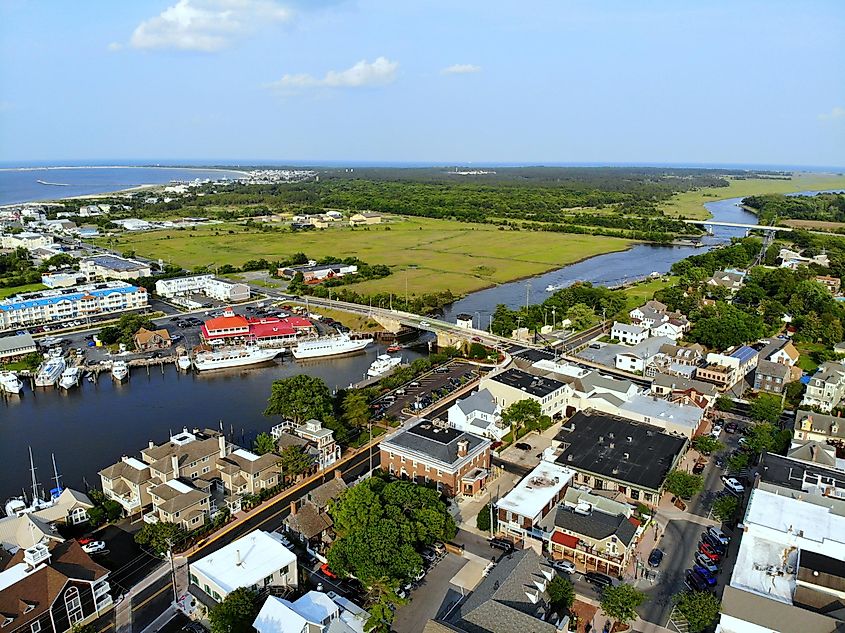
<point>300,398</point>
<point>264,443</point>
<point>235,613</point>
<point>683,484</point>
<point>159,537</point>
<point>699,608</point>
<point>620,602</point>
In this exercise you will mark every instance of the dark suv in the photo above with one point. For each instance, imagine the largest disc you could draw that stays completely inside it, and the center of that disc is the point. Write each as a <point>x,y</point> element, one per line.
<point>501,543</point>
<point>598,579</point>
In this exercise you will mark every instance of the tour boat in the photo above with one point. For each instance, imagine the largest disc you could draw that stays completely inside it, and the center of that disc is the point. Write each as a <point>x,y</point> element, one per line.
<point>9,382</point>
<point>383,364</point>
<point>227,357</point>
<point>119,370</point>
<point>329,346</point>
<point>70,378</point>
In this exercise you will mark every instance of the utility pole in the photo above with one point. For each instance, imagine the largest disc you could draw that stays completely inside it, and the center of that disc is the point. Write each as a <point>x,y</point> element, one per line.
<point>370,449</point>
<point>527,293</point>
<point>172,570</point>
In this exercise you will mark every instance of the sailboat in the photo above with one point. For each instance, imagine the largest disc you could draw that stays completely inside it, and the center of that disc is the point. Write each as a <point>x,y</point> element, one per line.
<point>17,506</point>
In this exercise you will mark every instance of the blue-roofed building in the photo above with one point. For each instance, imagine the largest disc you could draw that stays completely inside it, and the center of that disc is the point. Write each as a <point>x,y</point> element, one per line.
<point>63,304</point>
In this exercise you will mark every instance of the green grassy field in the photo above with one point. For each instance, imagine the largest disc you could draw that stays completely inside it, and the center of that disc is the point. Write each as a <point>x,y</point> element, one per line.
<point>691,204</point>
<point>642,292</point>
<point>13,290</point>
<point>432,255</point>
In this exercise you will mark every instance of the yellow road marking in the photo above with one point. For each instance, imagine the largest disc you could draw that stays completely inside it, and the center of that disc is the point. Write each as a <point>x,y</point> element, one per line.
<point>155,595</point>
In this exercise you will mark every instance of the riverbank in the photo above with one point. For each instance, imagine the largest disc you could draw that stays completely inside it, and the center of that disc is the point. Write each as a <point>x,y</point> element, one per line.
<point>690,204</point>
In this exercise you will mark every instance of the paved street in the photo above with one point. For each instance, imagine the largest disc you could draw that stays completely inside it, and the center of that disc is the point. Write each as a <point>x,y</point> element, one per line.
<point>426,601</point>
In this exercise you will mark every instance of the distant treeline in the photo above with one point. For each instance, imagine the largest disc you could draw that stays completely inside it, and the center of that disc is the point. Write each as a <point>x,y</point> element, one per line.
<point>829,207</point>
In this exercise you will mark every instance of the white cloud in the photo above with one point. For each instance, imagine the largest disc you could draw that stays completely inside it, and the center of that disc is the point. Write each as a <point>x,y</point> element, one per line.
<point>838,112</point>
<point>380,72</point>
<point>205,25</point>
<point>461,69</point>
<point>115,46</point>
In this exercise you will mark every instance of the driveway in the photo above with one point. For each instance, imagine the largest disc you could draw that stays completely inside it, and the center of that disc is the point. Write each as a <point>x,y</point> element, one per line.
<point>126,560</point>
<point>432,596</point>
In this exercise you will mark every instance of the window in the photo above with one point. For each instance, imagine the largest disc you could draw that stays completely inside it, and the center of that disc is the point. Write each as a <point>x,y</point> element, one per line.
<point>73,604</point>
<point>635,494</point>
<point>194,580</point>
<point>36,626</point>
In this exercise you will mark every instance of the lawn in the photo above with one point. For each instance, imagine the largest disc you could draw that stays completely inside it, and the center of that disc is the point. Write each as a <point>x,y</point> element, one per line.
<point>13,290</point>
<point>805,362</point>
<point>644,291</point>
<point>427,254</point>
<point>691,203</point>
<point>356,322</point>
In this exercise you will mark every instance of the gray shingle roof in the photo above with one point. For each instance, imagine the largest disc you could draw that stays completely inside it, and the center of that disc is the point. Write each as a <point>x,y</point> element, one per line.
<point>596,525</point>
<point>500,604</point>
<point>479,401</point>
<point>436,442</point>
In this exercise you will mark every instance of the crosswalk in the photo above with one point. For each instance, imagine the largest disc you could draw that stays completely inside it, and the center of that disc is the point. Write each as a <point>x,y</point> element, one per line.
<point>677,622</point>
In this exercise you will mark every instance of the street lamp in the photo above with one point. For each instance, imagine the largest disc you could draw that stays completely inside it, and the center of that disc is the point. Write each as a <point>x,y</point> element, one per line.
<point>478,316</point>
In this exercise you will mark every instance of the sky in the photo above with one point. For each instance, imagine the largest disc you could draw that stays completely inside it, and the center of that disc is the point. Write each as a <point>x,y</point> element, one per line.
<point>242,81</point>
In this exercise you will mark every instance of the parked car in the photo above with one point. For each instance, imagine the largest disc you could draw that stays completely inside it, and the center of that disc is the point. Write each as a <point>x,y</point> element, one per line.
<point>424,324</point>
<point>708,580</point>
<point>92,547</point>
<point>699,467</point>
<point>324,568</point>
<point>564,566</point>
<point>655,558</point>
<point>694,582</point>
<point>523,446</point>
<point>714,544</point>
<point>731,427</point>
<point>733,485</point>
<point>703,561</point>
<point>716,431</point>
<point>709,552</point>
<point>598,579</point>
<point>717,534</point>
<point>501,543</point>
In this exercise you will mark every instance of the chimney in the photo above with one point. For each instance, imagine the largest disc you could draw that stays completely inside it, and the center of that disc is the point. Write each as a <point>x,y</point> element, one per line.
<point>338,474</point>
<point>238,558</point>
<point>151,444</point>
<point>174,463</point>
<point>463,447</point>
<point>221,442</point>
<point>293,507</point>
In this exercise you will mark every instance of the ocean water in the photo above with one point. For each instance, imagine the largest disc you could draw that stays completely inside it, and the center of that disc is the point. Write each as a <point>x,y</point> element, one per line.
<point>21,185</point>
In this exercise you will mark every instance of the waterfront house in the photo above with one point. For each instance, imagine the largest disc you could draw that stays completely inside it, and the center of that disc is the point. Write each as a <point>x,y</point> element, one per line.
<point>127,483</point>
<point>151,340</point>
<point>52,589</point>
<point>178,502</point>
<point>16,346</point>
<point>457,463</point>
<point>256,561</point>
<point>245,473</point>
<point>479,414</point>
<point>730,280</point>
<point>612,453</point>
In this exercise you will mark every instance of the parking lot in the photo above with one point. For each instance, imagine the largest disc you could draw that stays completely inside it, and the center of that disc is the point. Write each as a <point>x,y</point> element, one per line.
<point>431,596</point>
<point>124,558</point>
<point>424,391</point>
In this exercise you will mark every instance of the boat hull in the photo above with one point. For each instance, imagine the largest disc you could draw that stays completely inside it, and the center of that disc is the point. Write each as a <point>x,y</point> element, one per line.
<point>261,357</point>
<point>10,383</point>
<point>308,350</point>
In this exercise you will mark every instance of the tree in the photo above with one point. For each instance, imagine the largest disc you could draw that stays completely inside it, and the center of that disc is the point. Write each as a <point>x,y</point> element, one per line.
<point>766,407</point>
<point>356,408</point>
<point>738,462</point>
<point>706,444</point>
<point>522,413</point>
<point>699,608</point>
<point>724,403</point>
<point>381,617</point>
<point>725,508</point>
<point>581,315</point>
<point>761,438</point>
<point>300,398</point>
<point>482,521</point>
<point>683,484</point>
<point>159,537</point>
<point>294,461</point>
<point>621,602</point>
<point>264,444</point>
<point>235,613</point>
<point>561,594</point>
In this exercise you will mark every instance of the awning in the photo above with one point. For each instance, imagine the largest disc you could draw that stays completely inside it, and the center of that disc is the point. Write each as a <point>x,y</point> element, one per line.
<point>567,540</point>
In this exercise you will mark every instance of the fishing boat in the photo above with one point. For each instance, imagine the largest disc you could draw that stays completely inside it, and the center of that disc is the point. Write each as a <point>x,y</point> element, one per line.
<point>329,346</point>
<point>119,370</point>
<point>239,356</point>
<point>184,363</point>
<point>10,383</point>
<point>70,378</point>
<point>383,364</point>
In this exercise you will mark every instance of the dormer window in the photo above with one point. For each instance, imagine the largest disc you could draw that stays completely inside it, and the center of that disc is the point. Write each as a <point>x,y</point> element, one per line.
<point>7,620</point>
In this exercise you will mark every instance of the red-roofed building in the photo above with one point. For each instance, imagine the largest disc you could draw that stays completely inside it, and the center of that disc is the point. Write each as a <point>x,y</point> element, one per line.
<point>234,328</point>
<point>229,326</point>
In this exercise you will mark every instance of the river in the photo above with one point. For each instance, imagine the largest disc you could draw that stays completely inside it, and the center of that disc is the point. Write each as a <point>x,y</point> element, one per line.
<point>91,427</point>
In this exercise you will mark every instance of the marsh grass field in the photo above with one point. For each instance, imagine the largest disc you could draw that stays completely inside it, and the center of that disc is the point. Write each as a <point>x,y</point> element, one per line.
<point>431,255</point>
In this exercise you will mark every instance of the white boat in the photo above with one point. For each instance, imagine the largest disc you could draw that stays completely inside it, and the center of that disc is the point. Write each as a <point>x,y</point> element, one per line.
<point>70,378</point>
<point>18,506</point>
<point>9,382</point>
<point>184,363</point>
<point>383,364</point>
<point>51,370</point>
<point>329,346</point>
<point>239,356</point>
<point>551,288</point>
<point>119,370</point>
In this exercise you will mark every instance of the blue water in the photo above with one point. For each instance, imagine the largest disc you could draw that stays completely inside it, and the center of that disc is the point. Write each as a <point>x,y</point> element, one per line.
<point>21,185</point>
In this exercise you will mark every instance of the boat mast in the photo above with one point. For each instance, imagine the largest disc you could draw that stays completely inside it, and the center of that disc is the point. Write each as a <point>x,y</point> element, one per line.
<point>56,476</point>
<point>34,480</point>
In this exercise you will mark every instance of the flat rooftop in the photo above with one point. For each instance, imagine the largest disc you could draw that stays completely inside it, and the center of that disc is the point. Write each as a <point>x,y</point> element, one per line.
<point>536,386</point>
<point>536,489</point>
<point>116,263</point>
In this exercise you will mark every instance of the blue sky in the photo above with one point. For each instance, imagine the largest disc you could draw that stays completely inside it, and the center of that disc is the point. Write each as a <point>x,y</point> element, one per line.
<point>473,81</point>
